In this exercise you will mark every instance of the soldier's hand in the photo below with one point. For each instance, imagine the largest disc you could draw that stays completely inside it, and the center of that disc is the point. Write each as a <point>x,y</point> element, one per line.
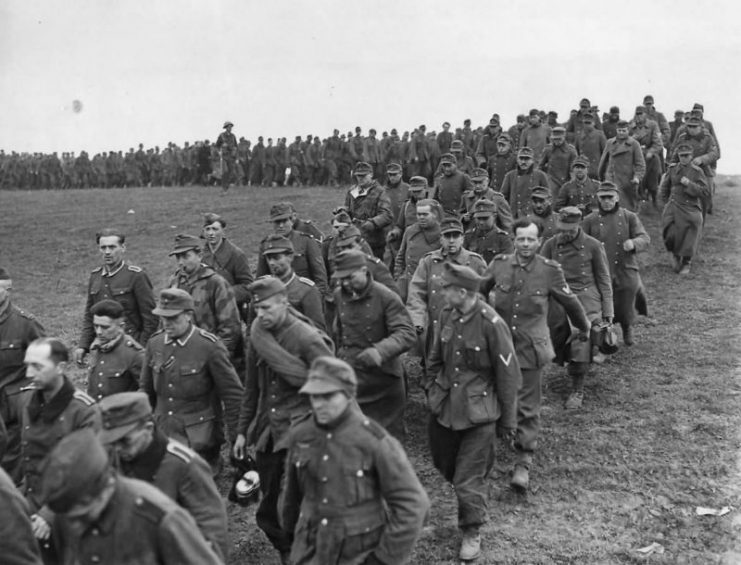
<point>367,226</point>
<point>79,356</point>
<point>697,161</point>
<point>239,446</point>
<point>628,245</point>
<point>684,180</point>
<point>370,357</point>
<point>393,235</point>
<point>508,436</point>
<point>41,528</point>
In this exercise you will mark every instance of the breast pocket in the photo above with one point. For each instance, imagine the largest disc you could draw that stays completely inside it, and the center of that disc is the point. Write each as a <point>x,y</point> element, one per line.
<point>481,404</point>
<point>194,381</point>
<point>359,479</point>
<point>477,356</point>
<point>11,352</point>
<point>123,296</point>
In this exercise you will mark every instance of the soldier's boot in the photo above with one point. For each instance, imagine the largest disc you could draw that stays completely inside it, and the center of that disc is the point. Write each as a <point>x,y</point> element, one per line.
<point>471,544</point>
<point>685,268</point>
<point>677,263</point>
<point>575,400</point>
<point>627,334</point>
<point>285,558</point>
<point>520,478</point>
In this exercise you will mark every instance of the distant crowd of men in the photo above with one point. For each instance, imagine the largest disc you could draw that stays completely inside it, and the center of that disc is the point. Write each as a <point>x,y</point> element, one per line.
<point>503,253</point>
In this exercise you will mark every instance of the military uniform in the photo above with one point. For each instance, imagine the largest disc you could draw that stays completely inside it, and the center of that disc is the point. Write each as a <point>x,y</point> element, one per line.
<point>682,220</point>
<point>556,161</point>
<point>517,186</point>
<point>17,329</point>
<point>472,381</point>
<point>415,244</point>
<point>215,307</point>
<point>129,286</point>
<point>498,166</point>
<point>487,243</point>
<point>370,204</point>
<point>230,262</point>
<point>114,367</point>
<point>582,194</point>
<point>182,377</point>
<point>307,260</point>
<point>449,190</point>
<point>351,495</point>
<point>44,424</point>
<point>522,294</point>
<point>613,229</point>
<point>181,474</point>
<point>277,363</point>
<point>304,296</point>
<point>226,143</point>
<point>621,162</point>
<point>548,220</point>
<point>375,317</point>
<point>18,545</point>
<point>139,525</point>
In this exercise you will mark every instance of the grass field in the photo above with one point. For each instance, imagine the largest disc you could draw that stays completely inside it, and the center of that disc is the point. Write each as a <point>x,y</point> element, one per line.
<point>658,435</point>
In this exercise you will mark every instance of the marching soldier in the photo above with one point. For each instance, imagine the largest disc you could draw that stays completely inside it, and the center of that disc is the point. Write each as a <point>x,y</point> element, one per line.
<point>472,380</point>
<point>122,282</point>
<point>419,239</point>
<point>186,371</point>
<point>18,328</point>
<point>542,212</point>
<point>622,163</point>
<point>102,517</point>
<point>143,452</point>
<point>374,518</point>
<point>519,182</point>
<point>226,143</point>
<point>581,190</point>
<point>116,359</point>
<point>486,238</point>
<point>370,208</point>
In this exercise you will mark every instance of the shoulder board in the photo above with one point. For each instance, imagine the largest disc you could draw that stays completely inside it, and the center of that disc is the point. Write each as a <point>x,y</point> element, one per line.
<point>134,268</point>
<point>83,397</point>
<point>26,315</point>
<point>503,257</point>
<point>208,335</point>
<point>373,259</point>
<point>180,451</point>
<point>134,344</point>
<point>475,255</point>
<point>673,164</point>
<point>307,222</point>
<point>310,236</point>
<point>551,263</point>
<point>149,510</point>
<point>488,313</point>
<point>97,270</point>
<point>307,281</point>
<point>501,231</point>
<point>374,428</point>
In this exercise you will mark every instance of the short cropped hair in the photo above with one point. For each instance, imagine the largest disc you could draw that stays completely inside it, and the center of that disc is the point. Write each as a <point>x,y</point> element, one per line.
<point>525,222</point>
<point>111,232</point>
<point>59,353</point>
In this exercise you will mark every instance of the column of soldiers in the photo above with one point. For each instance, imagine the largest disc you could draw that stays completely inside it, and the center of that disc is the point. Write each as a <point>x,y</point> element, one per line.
<point>473,270</point>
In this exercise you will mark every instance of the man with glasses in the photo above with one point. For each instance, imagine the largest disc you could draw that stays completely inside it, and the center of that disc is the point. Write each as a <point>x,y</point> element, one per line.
<point>683,188</point>
<point>623,236</point>
<point>622,164</point>
<point>518,183</point>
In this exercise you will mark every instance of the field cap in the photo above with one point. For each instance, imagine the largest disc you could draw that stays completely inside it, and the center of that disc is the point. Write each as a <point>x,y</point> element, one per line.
<point>684,148</point>
<point>281,211</point>
<point>275,243</point>
<point>185,242</point>
<point>75,470</point>
<point>349,233</point>
<point>484,208</point>
<point>568,218</point>
<point>540,192</point>
<point>265,287</point>
<point>451,225</point>
<point>329,374</point>
<point>456,146</point>
<point>173,301</point>
<point>347,262</point>
<point>393,168</point>
<point>479,174</point>
<point>607,188</point>
<point>448,158</point>
<point>227,124</point>
<point>418,182</point>
<point>362,168</point>
<point>461,276</point>
<point>580,160</point>
<point>558,130</point>
<point>525,152</point>
<point>121,413</point>
<point>4,276</point>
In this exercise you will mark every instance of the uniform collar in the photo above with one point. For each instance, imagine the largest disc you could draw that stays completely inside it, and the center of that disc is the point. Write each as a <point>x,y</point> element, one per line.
<point>181,341</point>
<point>51,410</point>
<point>527,266</point>
<point>464,318</point>
<point>107,273</point>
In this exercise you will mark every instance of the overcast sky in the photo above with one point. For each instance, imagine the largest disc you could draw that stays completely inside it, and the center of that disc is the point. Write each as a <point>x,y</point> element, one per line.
<point>172,70</point>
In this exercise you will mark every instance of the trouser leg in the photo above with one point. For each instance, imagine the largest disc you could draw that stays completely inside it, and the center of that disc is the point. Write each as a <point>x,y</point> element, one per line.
<point>270,467</point>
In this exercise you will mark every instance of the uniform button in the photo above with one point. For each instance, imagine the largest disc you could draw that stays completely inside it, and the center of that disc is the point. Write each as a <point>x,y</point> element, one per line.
<point>100,385</point>
<point>170,385</point>
<point>102,362</point>
<point>514,327</point>
<point>455,384</point>
<point>95,559</point>
<point>169,413</point>
<point>457,352</point>
<point>94,531</point>
<point>329,436</point>
<point>359,473</point>
<point>118,374</point>
<point>100,374</point>
<point>325,457</point>
<point>324,479</point>
<point>514,315</point>
<point>324,522</point>
<point>324,501</point>
<point>272,409</point>
<point>170,399</point>
<point>272,396</point>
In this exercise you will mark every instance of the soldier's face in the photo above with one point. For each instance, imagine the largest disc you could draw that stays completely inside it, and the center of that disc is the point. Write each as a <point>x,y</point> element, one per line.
<point>328,407</point>
<point>524,162</point>
<point>283,227</point>
<point>87,510</point>
<point>134,442</point>
<point>214,233</point>
<point>364,180</point>
<point>448,169</point>
<point>607,201</point>
<point>526,241</point>
<point>416,194</point>
<point>580,172</point>
<point>621,133</point>
<point>454,295</point>
<point>479,186</point>
<point>540,205</point>
<point>693,130</point>
<point>503,147</point>
<point>355,281</point>
<point>189,261</point>
<point>558,140</point>
<point>424,216</point>
<point>394,178</point>
<point>279,263</point>
<point>337,227</point>
<point>534,120</point>
<point>177,325</point>
<point>111,249</point>
<point>640,118</point>
<point>271,312</point>
<point>451,242</point>
<point>40,368</point>
<point>347,245</point>
<point>685,158</point>
<point>106,328</point>
<point>485,222</point>
<point>5,286</point>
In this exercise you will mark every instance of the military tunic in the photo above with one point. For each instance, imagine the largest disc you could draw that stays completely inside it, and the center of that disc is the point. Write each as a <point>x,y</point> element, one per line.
<point>472,380</point>
<point>517,187</point>
<point>415,244</point>
<point>682,219</point>
<point>449,190</point>
<point>613,229</point>
<point>583,195</point>
<point>139,525</point>
<point>621,162</point>
<point>556,161</point>
<point>230,262</point>
<point>498,166</point>
<point>44,424</point>
<point>487,243</point>
<point>18,546</point>
<point>351,494</point>
<point>185,477</point>
<point>17,329</point>
<point>370,204</point>
<point>376,317</point>
<point>129,286</point>
<point>304,296</point>
<point>182,378</point>
<point>548,220</point>
<point>114,369</point>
